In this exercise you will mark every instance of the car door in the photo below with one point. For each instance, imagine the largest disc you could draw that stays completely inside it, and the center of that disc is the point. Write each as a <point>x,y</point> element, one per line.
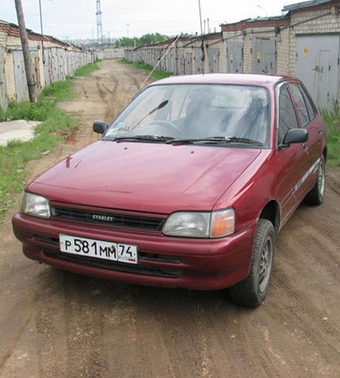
<point>308,119</point>
<point>293,159</point>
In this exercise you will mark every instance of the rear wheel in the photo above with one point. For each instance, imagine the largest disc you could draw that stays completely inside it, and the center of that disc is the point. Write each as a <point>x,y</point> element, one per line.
<point>317,195</point>
<point>253,290</point>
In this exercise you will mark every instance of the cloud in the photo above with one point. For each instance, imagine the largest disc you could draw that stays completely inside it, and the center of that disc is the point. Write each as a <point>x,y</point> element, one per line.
<point>77,18</point>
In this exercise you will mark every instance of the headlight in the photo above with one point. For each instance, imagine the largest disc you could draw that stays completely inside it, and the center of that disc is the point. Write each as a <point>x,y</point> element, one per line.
<point>35,206</point>
<point>201,224</point>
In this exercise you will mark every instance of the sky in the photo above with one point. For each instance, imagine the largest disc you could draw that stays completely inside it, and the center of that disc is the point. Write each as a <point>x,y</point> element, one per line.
<point>76,19</point>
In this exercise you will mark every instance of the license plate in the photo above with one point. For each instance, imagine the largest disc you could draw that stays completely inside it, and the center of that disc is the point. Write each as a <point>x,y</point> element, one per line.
<point>97,248</point>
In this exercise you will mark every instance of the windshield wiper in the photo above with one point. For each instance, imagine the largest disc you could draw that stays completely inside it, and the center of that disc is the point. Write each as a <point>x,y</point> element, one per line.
<point>148,138</point>
<point>243,140</point>
<point>215,140</point>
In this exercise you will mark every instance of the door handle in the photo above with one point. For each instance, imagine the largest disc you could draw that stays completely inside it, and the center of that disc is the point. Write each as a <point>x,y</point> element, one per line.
<point>318,69</point>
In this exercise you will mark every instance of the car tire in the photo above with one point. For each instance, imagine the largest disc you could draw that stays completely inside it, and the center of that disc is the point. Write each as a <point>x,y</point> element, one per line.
<point>317,195</point>
<point>252,291</point>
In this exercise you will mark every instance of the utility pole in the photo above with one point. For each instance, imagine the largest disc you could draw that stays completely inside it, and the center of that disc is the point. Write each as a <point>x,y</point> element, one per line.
<point>42,33</point>
<point>200,14</point>
<point>99,22</point>
<point>31,82</point>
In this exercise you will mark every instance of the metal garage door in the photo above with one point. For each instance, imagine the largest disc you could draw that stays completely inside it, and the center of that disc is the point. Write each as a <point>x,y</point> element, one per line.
<point>264,56</point>
<point>21,89</point>
<point>198,60</point>
<point>188,63</point>
<point>3,91</point>
<point>235,57</point>
<point>318,67</point>
<point>214,54</point>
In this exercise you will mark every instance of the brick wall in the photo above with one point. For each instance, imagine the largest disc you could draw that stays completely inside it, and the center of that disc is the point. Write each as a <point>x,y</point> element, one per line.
<point>247,31</point>
<point>283,45</point>
<point>317,20</point>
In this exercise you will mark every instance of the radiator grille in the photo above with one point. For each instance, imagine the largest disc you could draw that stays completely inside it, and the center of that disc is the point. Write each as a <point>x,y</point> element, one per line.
<point>108,219</point>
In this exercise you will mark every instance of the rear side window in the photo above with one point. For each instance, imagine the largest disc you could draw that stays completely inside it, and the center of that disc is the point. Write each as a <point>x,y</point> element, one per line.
<point>303,105</point>
<point>311,109</point>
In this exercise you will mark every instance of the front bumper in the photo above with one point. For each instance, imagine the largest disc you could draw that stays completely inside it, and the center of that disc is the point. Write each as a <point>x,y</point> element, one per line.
<point>203,264</point>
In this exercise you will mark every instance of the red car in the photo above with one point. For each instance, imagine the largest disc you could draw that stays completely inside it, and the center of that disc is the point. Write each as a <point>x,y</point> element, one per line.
<point>188,187</point>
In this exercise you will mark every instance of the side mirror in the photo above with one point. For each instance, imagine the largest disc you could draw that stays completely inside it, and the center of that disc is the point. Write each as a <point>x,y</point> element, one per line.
<point>100,127</point>
<point>294,136</point>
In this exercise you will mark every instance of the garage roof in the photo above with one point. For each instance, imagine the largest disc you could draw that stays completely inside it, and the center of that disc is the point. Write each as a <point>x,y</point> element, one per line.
<point>304,4</point>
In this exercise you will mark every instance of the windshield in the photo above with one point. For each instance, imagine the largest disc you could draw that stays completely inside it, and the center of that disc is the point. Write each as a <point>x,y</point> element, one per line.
<point>196,112</point>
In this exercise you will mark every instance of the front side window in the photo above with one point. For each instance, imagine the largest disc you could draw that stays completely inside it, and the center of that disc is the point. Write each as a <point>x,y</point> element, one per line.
<point>197,111</point>
<point>287,116</point>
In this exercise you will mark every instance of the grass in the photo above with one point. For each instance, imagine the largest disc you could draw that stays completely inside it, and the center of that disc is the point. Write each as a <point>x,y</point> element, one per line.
<point>155,75</point>
<point>87,70</point>
<point>54,128</point>
<point>332,121</point>
<point>14,157</point>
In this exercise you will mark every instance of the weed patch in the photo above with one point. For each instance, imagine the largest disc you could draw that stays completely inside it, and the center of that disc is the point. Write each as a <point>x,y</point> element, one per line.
<point>54,127</point>
<point>87,70</point>
<point>155,75</point>
<point>332,122</point>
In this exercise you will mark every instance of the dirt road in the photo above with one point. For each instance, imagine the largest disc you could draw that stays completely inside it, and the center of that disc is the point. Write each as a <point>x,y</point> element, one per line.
<point>60,325</point>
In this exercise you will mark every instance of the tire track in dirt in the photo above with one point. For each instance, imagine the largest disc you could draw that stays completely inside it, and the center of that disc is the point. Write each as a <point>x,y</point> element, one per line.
<point>136,84</point>
<point>117,93</point>
<point>16,305</point>
<point>309,332</point>
<point>141,348</point>
<point>247,344</point>
<point>306,313</point>
<point>48,323</point>
<point>251,346</point>
<point>107,95</point>
<point>84,327</point>
<point>306,276</point>
<point>181,333</point>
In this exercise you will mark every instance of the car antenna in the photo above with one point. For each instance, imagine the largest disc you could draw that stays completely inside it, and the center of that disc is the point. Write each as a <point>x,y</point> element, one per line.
<point>162,57</point>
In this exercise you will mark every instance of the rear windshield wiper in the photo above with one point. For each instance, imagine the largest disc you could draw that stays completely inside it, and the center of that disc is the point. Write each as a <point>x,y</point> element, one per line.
<point>215,140</point>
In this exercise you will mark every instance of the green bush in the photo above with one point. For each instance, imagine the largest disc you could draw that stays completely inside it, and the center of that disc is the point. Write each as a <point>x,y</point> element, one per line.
<point>332,122</point>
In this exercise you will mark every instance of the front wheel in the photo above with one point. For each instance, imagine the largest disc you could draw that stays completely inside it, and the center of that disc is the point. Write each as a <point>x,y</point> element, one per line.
<point>252,291</point>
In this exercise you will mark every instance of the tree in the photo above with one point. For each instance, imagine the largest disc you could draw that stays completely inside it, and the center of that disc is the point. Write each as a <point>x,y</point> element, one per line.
<point>125,42</point>
<point>146,39</point>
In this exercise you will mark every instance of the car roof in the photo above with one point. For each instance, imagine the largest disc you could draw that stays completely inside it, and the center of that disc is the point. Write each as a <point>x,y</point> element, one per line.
<point>225,78</point>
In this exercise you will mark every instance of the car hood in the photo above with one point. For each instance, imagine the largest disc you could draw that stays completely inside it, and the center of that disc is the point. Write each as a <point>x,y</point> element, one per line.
<point>145,176</point>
